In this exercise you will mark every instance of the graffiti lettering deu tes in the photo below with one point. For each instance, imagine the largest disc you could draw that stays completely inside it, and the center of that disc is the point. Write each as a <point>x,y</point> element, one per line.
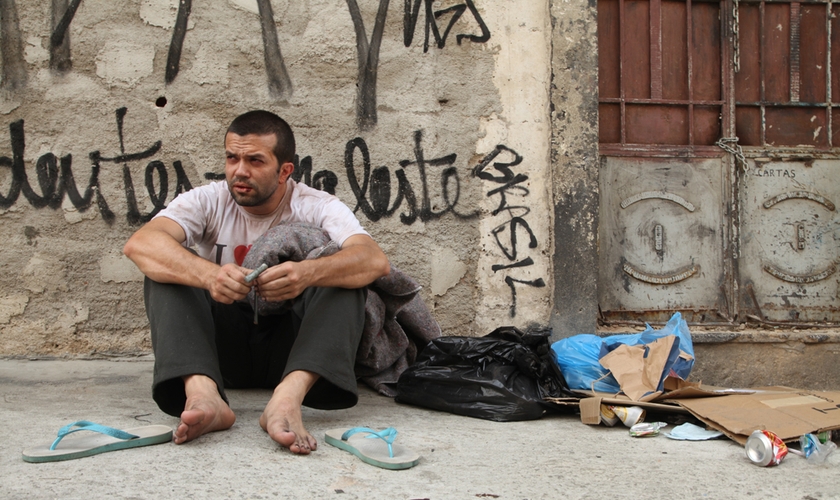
<point>55,178</point>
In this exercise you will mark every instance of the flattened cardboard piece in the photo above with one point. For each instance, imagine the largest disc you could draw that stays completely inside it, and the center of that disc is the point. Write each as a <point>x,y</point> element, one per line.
<point>638,369</point>
<point>676,388</point>
<point>788,413</point>
<point>590,411</point>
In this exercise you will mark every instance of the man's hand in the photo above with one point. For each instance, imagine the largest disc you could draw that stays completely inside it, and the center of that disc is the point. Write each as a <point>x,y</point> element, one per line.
<point>359,262</point>
<point>229,284</point>
<point>157,250</point>
<point>284,281</point>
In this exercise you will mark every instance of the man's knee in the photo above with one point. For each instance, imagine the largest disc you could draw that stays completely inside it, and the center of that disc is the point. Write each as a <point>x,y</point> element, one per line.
<point>334,297</point>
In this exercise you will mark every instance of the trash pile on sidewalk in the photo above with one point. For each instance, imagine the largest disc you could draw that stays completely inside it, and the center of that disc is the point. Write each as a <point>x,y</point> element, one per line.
<point>510,375</point>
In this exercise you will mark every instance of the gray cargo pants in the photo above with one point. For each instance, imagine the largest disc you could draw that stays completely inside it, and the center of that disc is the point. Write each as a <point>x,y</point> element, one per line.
<point>193,334</point>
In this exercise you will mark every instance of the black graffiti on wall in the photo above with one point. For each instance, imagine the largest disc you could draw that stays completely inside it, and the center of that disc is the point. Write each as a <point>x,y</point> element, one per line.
<point>509,184</point>
<point>279,83</point>
<point>56,179</point>
<point>412,13</point>
<point>373,194</point>
<point>61,14</point>
<point>374,191</point>
<point>419,180</point>
<point>13,72</point>
<point>324,180</point>
<point>367,54</point>
<point>179,32</point>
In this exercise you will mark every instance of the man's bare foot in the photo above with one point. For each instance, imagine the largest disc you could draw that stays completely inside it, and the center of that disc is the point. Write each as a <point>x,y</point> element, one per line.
<point>205,410</point>
<point>282,417</point>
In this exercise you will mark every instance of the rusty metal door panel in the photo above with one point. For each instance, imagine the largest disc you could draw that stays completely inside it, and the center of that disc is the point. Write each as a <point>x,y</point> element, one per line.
<point>706,56</point>
<point>609,123</point>
<point>748,76</point>
<point>609,49</point>
<point>813,46</point>
<point>707,126</point>
<point>748,126</point>
<point>835,131</point>
<point>636,56</point>
<point>662,238</point>
<point>758,79</point>
<point>660,72</point>
<point>790,241</point>
<point>798,126</point>
<point>674,65</point>
<point>784,82</point>
<point>776,52</point>
<point>656,124</point>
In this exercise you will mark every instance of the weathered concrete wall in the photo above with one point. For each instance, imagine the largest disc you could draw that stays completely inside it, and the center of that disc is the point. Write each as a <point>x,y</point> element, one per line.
<point>806,359</point>
<point>574,150</point>
<point>436,130</point>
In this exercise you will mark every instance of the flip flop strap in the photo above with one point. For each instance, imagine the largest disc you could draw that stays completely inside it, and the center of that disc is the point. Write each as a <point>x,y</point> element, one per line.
<point>388,435</point>
<point>84,425</point>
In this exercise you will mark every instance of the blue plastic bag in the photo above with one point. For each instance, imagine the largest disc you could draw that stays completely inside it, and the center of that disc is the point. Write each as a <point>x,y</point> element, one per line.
<point>579,356</point>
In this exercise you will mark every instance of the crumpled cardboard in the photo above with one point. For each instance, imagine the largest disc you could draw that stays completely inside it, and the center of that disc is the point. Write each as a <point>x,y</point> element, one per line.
<point>640,370</point>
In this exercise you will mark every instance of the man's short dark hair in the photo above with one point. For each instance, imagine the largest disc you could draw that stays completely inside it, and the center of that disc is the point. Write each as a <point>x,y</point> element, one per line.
<point>261,122</point>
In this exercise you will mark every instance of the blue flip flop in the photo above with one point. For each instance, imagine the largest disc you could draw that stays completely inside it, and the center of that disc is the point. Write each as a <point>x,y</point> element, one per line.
<point>375,447</point>
<point>106,439</point>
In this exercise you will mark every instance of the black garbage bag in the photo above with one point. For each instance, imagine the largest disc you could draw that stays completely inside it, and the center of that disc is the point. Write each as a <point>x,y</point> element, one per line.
<point>504,376</point>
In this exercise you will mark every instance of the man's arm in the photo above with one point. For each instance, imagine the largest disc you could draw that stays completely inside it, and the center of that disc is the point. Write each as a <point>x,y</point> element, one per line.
<point>157,250</point>
<point>359,262</point>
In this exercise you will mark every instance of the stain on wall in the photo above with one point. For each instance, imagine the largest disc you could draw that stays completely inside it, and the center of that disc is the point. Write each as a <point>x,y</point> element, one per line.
<point>13,69</point>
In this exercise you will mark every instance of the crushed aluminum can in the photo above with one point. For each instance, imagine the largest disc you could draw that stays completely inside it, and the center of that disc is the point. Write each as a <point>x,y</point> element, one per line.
<point>765,449</point>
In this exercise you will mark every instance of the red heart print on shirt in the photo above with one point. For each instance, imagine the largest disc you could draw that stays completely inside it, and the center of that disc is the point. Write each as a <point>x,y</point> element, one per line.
<point>240,252</point>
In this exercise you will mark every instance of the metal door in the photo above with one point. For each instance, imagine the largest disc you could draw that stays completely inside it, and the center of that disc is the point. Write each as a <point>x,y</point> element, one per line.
<point>719,178</point>
<point>787,120</point>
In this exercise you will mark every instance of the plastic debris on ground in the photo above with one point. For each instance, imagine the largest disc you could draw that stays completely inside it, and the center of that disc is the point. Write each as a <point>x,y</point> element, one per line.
<point>650,370</point>
<point>815,450</point>
<point>507,375</point>
<point>646,429</point>
<point>691,432</point>
<point>635,364</point>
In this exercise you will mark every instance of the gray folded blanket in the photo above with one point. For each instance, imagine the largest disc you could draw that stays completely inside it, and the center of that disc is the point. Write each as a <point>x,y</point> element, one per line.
<point>396,318</point>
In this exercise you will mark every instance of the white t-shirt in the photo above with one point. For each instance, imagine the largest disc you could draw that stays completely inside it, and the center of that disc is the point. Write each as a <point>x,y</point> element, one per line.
<point>222,232</point>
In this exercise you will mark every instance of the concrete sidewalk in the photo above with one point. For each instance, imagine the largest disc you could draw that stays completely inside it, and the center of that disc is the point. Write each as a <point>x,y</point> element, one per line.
<point>463,458</point>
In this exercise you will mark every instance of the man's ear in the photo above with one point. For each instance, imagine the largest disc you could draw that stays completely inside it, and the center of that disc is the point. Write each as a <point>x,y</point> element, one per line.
<point>286,170</point>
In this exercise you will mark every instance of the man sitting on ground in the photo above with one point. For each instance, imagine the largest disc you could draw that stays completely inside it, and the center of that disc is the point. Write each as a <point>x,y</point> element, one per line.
<point>203,334</point>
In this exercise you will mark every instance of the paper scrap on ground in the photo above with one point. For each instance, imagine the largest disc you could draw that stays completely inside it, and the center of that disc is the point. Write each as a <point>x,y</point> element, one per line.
<point>691,432</point>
